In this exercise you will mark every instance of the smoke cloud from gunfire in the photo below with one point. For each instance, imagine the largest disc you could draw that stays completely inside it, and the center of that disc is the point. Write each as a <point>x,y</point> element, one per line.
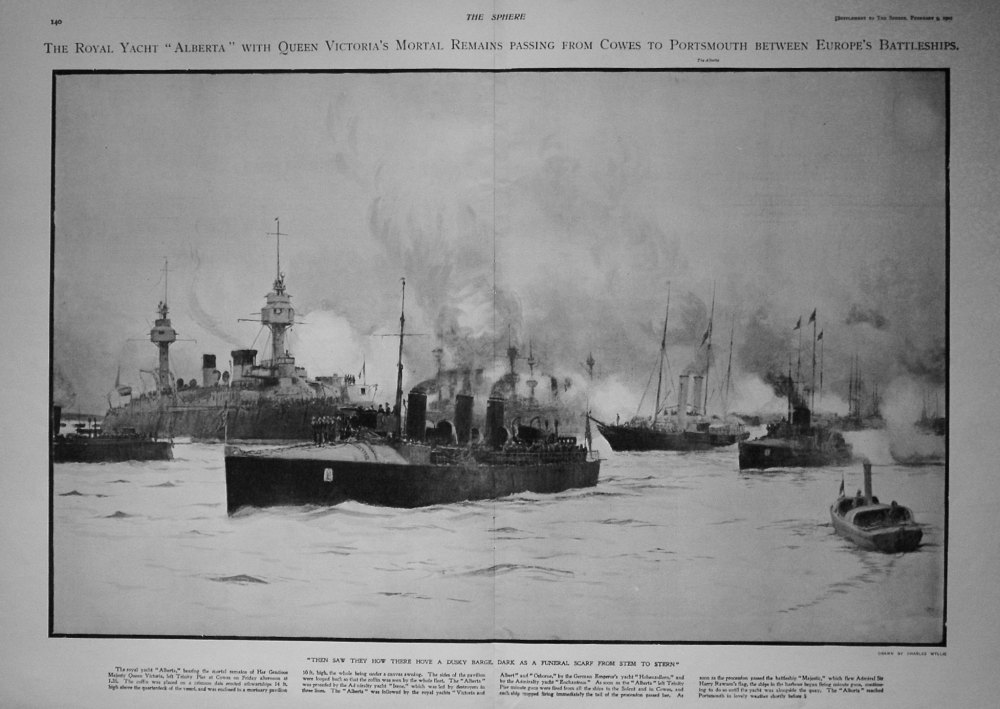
<point>551,210</point>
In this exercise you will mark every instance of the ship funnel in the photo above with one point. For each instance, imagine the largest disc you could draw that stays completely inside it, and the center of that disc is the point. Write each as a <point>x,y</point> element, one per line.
<point>208,370</point>
<point>495,433</point>
<point>463,417</point>
<point>801,417</point>
<point>416,414</point>
<point>868,481</point>
<point>682,397</point>
<point>696,397</point>
<point>243,362</point>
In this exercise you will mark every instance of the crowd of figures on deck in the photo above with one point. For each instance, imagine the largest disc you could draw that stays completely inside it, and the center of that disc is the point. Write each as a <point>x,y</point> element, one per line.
<point>343,425</point>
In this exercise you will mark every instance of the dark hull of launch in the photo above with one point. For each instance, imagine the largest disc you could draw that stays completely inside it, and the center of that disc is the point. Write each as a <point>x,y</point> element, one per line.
<point>889,538</point>
<point>259,481</point>
<point>109,450</point>
<point>763,453</point>
<point>872,525</point>
<point>638,438</point>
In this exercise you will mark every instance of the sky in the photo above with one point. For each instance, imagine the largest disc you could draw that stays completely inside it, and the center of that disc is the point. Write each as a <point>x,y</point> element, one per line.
<point>556,209</point>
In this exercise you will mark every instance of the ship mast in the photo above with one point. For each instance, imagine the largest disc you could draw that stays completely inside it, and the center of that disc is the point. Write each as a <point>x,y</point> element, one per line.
<point>399,367</point>
<point>163,335</point>
<point>278,314</point>
<point>850,391</point>
<point>819,338</point>
<point>532,382</point>
<point>791,388</point>
<point>663,351</point>
<point>511,352</point>
<point>399,374</point>
<point>855,406</point>
<point>708,353</point>
<point>729,371</point>
<point>812,381</point>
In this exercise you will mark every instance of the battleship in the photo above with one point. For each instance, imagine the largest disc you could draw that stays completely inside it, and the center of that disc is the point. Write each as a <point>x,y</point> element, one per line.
<point>269,399</point>
<point>687,427</point>
<point>441,464</point>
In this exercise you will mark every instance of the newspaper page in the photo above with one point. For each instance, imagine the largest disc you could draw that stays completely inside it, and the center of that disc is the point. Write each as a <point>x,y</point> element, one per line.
<point>499,354</point>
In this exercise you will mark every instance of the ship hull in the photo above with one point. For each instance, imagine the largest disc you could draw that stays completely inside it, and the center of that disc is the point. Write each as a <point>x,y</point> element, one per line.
<point>637,438</point>
<point>97,450</point>
<point>762,454</point>
<point>888,541</point>
<point>266,481</point>
<point>892,539</point>
<point>264,419</point>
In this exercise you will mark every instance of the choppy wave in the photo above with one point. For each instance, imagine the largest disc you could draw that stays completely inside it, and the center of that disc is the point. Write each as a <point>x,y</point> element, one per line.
<point>118,514</point>
<point>499,569</point>
<point>664,548</point>
<point>241,579</point>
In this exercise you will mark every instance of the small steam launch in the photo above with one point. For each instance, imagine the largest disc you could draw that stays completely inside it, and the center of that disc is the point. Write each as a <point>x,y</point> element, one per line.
<point>270,399</point>
<point>413,466</point>
<point>872,525</point>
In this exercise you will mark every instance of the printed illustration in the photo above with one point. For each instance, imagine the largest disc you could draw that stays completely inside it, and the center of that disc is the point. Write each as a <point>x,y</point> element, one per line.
<point>605,356</point>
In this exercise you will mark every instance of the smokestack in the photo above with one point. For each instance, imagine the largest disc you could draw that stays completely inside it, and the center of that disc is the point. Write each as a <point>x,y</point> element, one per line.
<point>868,481</point>
<point>243,361</point>
<point>208,370</point>
<point>416,414</point>
<point>682,396</point>
<point>463,417</point>
<point>494,422</point>
<point>696,408</point>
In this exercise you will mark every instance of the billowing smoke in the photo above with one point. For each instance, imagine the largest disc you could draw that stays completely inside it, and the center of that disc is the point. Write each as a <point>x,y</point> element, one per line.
<point>927,361</point>
<point>62,390</point>
<point>203,319</point>
<point>916,417</point>
<point>551,209</point>
<point>765,351</point>
<point>326,343</point>
<point>858,314</point>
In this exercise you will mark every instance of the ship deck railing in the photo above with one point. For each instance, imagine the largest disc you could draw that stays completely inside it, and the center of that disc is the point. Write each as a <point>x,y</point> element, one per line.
<point>532,457</point>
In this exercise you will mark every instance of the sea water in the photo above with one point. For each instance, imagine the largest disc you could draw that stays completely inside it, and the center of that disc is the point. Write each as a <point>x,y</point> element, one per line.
<point>667,547</point>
